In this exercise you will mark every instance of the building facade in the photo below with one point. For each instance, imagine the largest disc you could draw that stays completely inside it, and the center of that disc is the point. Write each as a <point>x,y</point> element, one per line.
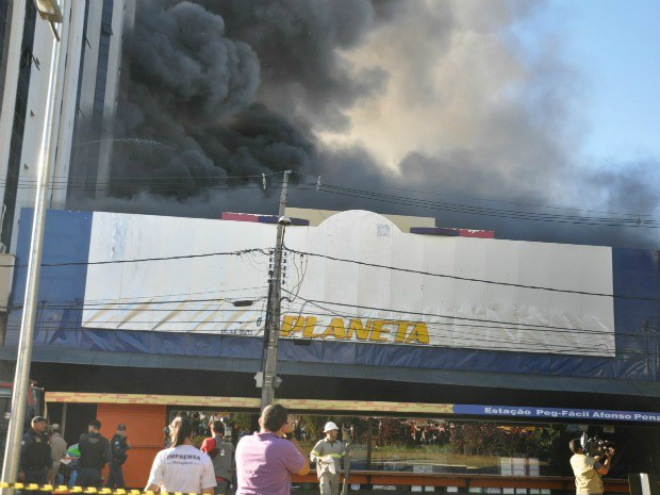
<point>164,315</point>
<point>88,73</point>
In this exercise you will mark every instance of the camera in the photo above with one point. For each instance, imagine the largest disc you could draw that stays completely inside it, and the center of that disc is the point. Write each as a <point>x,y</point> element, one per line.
<point>595,447</point>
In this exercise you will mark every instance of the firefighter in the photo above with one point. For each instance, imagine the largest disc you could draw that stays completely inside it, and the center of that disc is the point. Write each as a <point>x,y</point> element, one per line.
<point>328,454</point>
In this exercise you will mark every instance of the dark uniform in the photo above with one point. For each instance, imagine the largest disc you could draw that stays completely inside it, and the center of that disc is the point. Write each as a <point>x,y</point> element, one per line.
<point>119,456</point>
<point>35,457</point>
<point>95,452</point>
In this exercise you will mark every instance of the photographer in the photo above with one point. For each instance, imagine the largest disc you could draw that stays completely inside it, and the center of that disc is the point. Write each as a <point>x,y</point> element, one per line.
<point>588,469</point>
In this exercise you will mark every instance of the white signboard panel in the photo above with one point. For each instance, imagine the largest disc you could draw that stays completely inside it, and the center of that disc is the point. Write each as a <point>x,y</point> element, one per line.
<point>356,278</point>
<point>198,288</point>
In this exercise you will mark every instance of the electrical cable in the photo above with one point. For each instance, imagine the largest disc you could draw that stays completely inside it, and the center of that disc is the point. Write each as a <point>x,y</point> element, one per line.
<point>528,326</point>
<point>639,220</point>
<point>536,347</point>
<point>469,279</point>
<point>492,200</point>
<point>144,260</point>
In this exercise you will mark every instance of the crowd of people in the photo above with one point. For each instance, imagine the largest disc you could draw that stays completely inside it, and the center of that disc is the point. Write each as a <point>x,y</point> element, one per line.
<point>44,452</point>
<point>261,463</point>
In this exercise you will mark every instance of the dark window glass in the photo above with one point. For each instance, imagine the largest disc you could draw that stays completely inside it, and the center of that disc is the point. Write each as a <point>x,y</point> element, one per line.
<point>20,110</point>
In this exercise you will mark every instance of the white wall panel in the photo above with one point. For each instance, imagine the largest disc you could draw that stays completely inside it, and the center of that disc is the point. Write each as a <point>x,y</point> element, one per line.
<point>431,304</point>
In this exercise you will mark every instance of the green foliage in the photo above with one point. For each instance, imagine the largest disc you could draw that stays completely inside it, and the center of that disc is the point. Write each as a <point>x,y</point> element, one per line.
<point>491,440</point>
<point>242,421</point>
<point>315,426</point>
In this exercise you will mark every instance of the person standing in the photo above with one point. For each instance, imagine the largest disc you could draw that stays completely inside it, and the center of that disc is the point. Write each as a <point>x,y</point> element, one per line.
<point>36,462</point>
<point>328,454</point>
<point>181,467</point>
<point>119,445</point>
<point>588,470</point>
<point>95,452</point>
<point>266,460</point>
<point>222,455</point>
<point>57,449</point>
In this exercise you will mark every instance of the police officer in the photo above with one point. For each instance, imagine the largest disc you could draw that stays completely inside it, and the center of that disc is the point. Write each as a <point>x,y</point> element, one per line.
<point>36,463</point>
<point>119,444</point>
<point>95,452</point>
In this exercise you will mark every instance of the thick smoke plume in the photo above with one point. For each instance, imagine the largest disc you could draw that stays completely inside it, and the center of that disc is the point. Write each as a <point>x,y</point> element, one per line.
<point>192,100</point>
<point>437,101</point>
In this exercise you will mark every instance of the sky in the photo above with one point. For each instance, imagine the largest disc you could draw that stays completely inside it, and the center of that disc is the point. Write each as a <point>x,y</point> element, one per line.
<point>616,45</point>
<point>537,119</point>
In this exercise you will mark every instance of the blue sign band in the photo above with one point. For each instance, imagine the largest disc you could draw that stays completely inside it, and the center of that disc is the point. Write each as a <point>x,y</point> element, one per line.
<point>556,413</point>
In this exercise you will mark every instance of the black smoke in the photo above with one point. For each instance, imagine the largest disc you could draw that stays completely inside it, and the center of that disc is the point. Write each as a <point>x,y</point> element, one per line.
<point>191,111</point>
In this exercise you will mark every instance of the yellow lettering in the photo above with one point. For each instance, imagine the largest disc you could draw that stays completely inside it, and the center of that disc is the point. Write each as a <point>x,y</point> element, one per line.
<point>377,329</point>
<point>310,325</point>
<point>355,328</point>
<point>291,324</point>
<point>419,334</point>
<point>402,330</point>
<point>335,329</point>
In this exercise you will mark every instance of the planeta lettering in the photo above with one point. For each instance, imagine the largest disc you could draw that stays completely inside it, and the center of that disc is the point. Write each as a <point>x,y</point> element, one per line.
<point>354,329</point>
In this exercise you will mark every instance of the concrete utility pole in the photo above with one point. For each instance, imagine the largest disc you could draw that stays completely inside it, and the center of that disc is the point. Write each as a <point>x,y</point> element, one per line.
<point>19,397</point>
<point>270,379</point>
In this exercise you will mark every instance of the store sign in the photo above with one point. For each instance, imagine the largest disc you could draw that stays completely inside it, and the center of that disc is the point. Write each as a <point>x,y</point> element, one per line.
<point>355,329</point>
<point>556,413</point>
<point>354,278</point>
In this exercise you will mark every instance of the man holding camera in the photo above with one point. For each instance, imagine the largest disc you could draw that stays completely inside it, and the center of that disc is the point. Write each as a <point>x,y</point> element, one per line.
<point>588,470</point>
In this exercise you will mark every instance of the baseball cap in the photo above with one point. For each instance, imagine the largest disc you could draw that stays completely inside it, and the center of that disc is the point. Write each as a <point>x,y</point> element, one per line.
<point>121,427</point>
<point>39,419</point>
<point>55,426</point>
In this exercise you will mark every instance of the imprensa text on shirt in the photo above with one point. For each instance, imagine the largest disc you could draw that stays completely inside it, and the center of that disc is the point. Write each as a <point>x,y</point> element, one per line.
<point>174,457</point>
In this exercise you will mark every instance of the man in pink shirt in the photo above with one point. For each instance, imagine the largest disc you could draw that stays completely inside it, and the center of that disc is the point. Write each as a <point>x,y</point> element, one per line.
<point>266,460</point>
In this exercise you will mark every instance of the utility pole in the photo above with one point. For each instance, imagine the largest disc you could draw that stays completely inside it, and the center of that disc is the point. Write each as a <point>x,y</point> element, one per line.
<point>274,307</point>
<point>19,397</point>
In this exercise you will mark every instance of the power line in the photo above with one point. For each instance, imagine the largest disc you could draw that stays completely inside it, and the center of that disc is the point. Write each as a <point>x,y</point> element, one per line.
<point>136,299</point>
<point>534,347</point>
<point>639,220</point>
<point>468,279</point>
<point>144,260</point>
<point>435,331</point>
<point>63,179</point>
<point>131,305</point>
<point>138,307</point>
<point>506,214</point>
<point>493,200</point>
<point>529,326</point>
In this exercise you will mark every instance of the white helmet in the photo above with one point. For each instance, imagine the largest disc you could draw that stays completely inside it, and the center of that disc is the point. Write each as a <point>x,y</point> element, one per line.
<point>329,426</point>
